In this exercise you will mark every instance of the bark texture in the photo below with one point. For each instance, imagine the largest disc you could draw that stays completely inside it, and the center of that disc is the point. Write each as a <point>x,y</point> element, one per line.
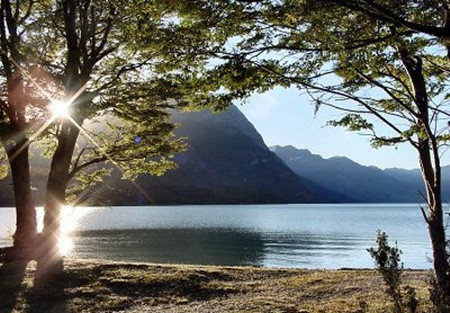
<point>25,211</point>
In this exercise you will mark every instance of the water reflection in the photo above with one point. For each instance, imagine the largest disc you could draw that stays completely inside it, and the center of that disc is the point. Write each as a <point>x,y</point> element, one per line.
<point>224,246</point>
<point>311,250</point>
<point>189,246</point>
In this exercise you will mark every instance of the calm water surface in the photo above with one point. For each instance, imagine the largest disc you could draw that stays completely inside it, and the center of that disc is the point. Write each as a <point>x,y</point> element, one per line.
<point>297,235</point>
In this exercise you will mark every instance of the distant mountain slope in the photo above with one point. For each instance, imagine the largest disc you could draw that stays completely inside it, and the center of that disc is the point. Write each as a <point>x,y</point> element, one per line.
<point>227,162</point>
<point>344,176</point>
<point>413,178</point>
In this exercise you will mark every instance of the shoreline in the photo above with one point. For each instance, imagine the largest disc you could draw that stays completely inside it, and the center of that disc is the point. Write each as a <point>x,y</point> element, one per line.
<point>109,286</point>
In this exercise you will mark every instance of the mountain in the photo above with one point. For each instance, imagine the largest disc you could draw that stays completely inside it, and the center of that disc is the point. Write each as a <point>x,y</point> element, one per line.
<point>346,177</point>
<point>413,178</point>
<point>227,162</point>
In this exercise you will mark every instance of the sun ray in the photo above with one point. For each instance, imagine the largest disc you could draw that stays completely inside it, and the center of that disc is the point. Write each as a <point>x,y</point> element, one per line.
<point>43,92</point>
<point>77,94</point>
<point>64,114</point>
<point>69,219</point>
<point>65,243</point>
<point>59,109</point>
<point>116,164</point>
<point>32,138</point>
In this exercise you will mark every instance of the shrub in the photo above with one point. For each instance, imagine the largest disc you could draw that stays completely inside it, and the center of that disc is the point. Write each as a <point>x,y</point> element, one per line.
<point>387,261</point>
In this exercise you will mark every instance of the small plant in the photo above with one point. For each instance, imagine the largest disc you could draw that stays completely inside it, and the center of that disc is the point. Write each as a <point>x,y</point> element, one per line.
<point>387,261</point>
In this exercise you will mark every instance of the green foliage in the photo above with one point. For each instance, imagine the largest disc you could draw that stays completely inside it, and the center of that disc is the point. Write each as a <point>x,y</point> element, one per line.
<point>137,60</point>
<point>387,261</point>
<point>346,50</point>
<point>353,122</point>
<point>4,168</point>
<point>82,187</point>
<point>379,142</point>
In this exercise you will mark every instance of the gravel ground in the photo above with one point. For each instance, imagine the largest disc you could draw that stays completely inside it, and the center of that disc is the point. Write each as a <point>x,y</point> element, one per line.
<point>102,286</point>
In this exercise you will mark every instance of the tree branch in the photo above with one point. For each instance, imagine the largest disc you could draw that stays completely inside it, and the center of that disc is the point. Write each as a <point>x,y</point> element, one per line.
<point>75,170</point>
<point>336,93</point>
<point>382,13</point>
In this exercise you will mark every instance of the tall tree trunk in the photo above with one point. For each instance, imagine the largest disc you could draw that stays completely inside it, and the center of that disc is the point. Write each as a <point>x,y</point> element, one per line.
<point>51,257</point>
<point>435,220</point>
<point>26,224</point>
<point>438,244</point>
<point>431,169</point>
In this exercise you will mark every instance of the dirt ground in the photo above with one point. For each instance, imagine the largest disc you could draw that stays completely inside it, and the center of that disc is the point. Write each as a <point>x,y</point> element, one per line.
<point>101,286</point>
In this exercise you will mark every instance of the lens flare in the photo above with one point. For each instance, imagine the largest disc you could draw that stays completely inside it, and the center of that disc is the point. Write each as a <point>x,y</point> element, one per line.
<point>40,219</point>
<point>69,219</point>
<point>60,109</point>
<point>65,245</point>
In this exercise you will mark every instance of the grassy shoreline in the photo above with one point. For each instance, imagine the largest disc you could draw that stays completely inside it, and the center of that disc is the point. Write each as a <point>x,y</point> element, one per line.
<point>104,286</point>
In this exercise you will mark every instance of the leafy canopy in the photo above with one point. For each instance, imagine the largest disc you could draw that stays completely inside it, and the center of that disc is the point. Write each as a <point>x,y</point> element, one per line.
<point>125,63</point>
<point>349,55</point>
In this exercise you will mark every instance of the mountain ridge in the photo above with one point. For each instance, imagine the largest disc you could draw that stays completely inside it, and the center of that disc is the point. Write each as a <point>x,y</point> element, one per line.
<point>364,183</point>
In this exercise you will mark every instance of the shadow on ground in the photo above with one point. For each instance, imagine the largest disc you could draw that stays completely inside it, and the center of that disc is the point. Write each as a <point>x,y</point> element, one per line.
<point>99,286</point>
<point>47,294</point>
<point>22,291</point>
<point>105,287</point>
<point>11,277</point>
<point>121,287</point>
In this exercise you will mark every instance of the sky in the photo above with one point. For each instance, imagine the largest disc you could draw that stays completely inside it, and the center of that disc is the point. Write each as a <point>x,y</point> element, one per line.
<point>286,117</point>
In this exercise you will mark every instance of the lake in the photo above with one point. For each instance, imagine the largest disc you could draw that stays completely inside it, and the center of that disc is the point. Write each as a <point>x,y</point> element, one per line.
<point>295,235</point>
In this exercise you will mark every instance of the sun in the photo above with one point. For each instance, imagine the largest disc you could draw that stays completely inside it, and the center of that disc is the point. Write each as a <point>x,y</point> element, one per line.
<point>60,109</point>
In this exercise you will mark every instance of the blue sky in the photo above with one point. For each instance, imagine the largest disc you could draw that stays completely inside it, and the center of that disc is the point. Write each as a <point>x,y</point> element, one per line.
<point>286,117</point>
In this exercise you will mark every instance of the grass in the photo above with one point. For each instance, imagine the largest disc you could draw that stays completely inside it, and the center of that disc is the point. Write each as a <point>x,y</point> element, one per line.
<point>97,286</point>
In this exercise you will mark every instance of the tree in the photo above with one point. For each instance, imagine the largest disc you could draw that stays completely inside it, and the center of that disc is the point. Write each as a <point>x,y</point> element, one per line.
<point>13,123</point>
<point>87,57</point>
<point>384,65</point>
